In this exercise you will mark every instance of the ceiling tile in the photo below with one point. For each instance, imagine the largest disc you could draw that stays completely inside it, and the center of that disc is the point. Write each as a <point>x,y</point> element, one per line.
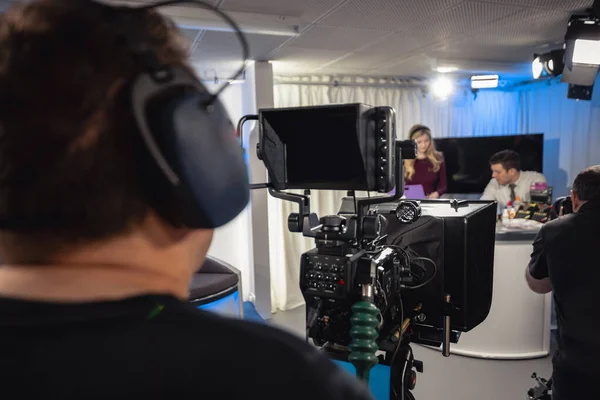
<point>417,67</point>
<point>530,28</point>
<point>327,38</point>
<point>389,15</point>
<point>225,46</point>
<point>570,5</point>
<point>463,18</point>
<point>303,60</point>
<point>305,9</point>
<point>389,48</point>
<point>476,50</point>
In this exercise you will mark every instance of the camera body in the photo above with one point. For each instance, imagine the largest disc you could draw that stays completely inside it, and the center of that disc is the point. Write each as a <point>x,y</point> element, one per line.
<point>332,277</point>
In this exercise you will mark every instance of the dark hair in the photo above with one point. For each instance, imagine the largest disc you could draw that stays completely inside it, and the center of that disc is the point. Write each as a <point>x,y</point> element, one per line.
<point>508,158</point>
<point>67,157</point>
<point>587,184</point>
<point>417,129</point>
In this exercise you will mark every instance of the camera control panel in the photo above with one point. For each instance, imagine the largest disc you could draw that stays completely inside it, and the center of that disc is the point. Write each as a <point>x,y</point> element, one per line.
<point>324,275</point>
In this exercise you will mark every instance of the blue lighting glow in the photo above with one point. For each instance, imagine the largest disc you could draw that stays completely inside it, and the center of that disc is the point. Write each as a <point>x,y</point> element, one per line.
<point>379,379</point>
<point>224,306</point>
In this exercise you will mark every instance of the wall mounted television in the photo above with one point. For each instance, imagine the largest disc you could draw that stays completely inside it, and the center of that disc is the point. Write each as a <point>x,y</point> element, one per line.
<point>467,158</point>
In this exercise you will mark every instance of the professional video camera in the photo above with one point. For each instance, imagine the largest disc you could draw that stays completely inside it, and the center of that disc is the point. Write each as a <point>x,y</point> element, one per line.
<point>386,271</point>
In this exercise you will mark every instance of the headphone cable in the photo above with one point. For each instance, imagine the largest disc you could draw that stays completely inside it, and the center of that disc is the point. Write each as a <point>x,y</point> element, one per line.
<point>237,30</point>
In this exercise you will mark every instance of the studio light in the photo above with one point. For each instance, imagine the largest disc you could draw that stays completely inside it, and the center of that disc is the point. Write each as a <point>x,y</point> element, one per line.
<point>442,87</point>
<point>548,64</point>
<point>446,69</point>
<point>586,52</point>
<point>582,50</point>
<point>484,81</point>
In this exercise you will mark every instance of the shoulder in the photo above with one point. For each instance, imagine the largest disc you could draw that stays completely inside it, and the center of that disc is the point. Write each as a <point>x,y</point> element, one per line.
<point>281,356</point>
<point>557,228</point>
<point>493,183</point>
<point>534,176</point>
<point>439,156</point>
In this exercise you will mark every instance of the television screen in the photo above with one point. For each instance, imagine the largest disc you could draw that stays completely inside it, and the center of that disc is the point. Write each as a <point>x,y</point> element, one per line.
<point>467,159</point>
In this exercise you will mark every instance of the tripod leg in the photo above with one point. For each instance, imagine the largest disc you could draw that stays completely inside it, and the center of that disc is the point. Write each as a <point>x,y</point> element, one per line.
<point>402,374</point>
<point>408,395</point>
<point>397,372</point>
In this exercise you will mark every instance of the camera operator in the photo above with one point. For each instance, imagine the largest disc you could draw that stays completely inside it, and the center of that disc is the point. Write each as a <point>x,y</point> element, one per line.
<point>565,259</point>
<point>93,292</point>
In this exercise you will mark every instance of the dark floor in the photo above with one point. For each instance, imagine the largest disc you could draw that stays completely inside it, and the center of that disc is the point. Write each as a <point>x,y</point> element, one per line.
<point>456,377</point>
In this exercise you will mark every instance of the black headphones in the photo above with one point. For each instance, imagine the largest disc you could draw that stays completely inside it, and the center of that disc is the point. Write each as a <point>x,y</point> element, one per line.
<point>195,174</point>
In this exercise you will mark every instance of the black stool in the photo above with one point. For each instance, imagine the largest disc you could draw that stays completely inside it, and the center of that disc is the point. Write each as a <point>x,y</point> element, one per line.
<point>217,287</point>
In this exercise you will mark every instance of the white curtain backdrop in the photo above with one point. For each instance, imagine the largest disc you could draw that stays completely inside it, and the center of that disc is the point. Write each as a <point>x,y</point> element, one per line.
<point>571,128</point>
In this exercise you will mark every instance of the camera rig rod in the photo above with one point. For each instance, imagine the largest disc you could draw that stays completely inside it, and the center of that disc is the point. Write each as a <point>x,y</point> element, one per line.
<point>364,334</point>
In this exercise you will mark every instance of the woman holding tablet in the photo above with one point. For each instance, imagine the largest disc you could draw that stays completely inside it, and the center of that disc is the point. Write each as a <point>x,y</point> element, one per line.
<point>428,169</point>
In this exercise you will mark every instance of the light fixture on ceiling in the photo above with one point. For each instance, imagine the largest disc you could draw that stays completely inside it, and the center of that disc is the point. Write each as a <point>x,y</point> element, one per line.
<point>548,64</point>
<point>442,87</point>
<point>484,81</point>
<point>202,19</point>
<point>582,48</point>
<point>444,69</point>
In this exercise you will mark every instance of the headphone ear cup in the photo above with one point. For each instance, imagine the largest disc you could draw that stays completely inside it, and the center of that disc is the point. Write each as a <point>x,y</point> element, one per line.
<point>193,166</point>
<point>210,162</point>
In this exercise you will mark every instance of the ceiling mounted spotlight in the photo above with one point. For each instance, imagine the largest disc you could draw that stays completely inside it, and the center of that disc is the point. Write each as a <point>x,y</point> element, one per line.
<point>548,64</point>
<point>537,67</point>
<point>582,48</point>
<point>556,63</point>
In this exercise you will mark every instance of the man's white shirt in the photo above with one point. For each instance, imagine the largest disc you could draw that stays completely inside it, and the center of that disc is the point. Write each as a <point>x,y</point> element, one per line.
<point>501,193</point>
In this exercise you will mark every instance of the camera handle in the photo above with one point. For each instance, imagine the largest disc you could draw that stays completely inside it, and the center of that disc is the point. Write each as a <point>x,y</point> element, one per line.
<point>364,334</point>
<point>304,221</point>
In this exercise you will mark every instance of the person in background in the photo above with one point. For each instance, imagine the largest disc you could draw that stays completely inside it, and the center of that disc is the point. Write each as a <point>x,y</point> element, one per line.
<point>508,181</point>
<point>428,169</point>
<point>565,260</point>
<point>94,283</point>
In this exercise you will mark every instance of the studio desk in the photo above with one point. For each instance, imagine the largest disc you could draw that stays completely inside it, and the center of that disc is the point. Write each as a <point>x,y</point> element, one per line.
<point>518,325</point>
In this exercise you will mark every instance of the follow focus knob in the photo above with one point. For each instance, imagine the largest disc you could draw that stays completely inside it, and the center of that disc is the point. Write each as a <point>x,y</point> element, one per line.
<point>332,223</point>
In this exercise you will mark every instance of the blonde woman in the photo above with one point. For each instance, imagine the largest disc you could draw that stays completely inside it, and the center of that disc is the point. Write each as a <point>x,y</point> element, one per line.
<point>428,169</point>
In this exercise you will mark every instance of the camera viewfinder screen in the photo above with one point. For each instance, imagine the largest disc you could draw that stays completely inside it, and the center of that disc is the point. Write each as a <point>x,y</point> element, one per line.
<point>322,146</point>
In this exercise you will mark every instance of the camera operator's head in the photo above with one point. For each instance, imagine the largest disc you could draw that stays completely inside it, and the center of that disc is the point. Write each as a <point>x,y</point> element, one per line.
<point>586,187</point>
<point>506,167</point>
<point>67,159</point>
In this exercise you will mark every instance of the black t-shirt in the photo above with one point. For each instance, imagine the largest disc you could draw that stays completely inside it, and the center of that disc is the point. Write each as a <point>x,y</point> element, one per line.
<point>156,347</point>
<point>567,251</point>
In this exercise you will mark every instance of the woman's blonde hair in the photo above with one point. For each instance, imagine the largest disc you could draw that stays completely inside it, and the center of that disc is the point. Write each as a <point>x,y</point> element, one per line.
<point>434,156</point>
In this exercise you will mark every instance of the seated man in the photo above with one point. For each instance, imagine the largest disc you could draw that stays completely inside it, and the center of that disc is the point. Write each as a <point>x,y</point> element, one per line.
<point>565,259</point>
<point>94,285</point>
<point>508,181</point>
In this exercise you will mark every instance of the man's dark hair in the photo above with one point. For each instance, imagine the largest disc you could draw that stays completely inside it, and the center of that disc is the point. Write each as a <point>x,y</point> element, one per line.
<point>508,158</point>
<point>67,134</point>
<point>587,184</point>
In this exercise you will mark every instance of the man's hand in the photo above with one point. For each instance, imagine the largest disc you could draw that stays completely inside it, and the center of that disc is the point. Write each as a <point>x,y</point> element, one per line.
<point>433,196</point>
<point>541,286</point>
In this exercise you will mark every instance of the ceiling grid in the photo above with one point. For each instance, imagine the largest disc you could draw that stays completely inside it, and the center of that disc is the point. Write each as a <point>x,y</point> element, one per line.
<point>388,37</point>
